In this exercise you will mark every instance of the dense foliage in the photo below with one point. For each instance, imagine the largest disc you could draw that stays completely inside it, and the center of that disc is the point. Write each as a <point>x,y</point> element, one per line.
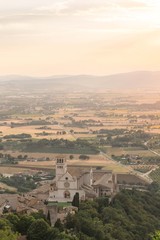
<point>22,183</point>
<point>78,146</point>
<point>61,146</point>
<point>130,139</point>
<point>6,232</point>
<point>156,236</point>
<point>18,136</point>
<point>155,175</point>
<point>131,215</point>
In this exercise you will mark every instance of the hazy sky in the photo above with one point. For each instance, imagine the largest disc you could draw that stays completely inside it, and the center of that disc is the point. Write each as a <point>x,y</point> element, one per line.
<point>45,37</point>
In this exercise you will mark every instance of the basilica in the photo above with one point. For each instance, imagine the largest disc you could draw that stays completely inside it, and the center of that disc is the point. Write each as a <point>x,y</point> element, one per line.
<point>87,183</point>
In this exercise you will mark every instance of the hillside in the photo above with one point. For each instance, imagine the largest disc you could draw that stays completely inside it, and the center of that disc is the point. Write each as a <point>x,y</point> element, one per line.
<point>130,215</point>
<point>123,81</point>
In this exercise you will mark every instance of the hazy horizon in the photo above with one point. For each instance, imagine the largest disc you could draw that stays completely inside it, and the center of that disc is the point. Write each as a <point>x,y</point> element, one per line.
<point>80,74</point>
<point>66,37</point>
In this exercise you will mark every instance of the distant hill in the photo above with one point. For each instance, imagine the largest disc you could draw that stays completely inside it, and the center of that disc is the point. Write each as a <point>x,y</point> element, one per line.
<point>123,81</point>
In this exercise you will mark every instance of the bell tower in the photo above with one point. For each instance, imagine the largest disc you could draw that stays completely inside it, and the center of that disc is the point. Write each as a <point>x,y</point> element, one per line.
<point>61,167</point>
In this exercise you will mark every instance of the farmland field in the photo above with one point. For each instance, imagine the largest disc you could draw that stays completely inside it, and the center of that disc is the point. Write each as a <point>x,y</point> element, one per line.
<point>75,123</point>
<point>109,165</point>
<point>5,186</point>
<point>131,151</point>
<point>14,170</point>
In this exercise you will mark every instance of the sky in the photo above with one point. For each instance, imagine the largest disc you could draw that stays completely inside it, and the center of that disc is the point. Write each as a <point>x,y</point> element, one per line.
<point>98,37</point>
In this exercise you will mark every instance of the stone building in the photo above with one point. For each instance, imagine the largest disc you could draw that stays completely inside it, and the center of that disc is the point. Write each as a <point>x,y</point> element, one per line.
<point>87,183</point>
<point>64,186</point>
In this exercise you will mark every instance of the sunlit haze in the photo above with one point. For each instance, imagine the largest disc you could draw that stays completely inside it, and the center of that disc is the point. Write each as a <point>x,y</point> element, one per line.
<point>48,37</point>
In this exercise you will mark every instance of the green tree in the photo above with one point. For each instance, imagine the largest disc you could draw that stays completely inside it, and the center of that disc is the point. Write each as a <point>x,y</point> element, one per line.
<point>5,230</point>
<point>39,230</point>
<point>66,236</point>
<point>75,201</point>
<point>24,223</point>
<point>38,215</point>
<point>156,236</point>
<point>14,220</point>
<point>4,224</point>
<point>59,225</point>
<point>49,218</point>
<point>8,235</point>
<point>52,234</point>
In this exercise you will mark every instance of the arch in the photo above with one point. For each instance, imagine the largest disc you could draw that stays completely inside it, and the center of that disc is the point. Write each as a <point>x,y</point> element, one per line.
<point>67,194</point>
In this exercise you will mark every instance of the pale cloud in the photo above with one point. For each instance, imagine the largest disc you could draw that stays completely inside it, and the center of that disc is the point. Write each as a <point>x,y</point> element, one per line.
<point>132,4</point>
<point>94,32</point>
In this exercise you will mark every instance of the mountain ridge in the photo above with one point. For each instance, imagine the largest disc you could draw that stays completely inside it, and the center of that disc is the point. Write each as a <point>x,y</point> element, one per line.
<point>130,80</point>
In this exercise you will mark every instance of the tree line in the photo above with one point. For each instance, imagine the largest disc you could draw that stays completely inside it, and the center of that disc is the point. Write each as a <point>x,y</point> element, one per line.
<point>130,215</point>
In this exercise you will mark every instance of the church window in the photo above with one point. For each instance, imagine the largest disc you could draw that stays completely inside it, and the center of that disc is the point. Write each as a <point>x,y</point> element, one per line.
<point>66,178</point>
<point>67,194</point>
<point>66,184</point>
<point>59,166</point>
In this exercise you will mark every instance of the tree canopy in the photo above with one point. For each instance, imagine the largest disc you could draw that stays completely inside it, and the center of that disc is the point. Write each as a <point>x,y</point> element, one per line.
<point>130,215</point>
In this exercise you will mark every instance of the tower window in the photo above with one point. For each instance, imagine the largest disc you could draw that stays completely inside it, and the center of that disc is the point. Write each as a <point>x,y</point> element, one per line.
<point>60,160</point>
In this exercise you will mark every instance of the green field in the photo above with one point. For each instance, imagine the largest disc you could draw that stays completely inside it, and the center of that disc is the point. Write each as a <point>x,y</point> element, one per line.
<point>155,175</point>
<point>117,151</point>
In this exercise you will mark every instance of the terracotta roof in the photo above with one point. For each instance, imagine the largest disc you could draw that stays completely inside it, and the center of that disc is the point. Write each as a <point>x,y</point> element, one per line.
<point>42,189</point>
<point>76,171</point>
<point>103,181</point>
<point>8,197</point>
<point>130,179</point>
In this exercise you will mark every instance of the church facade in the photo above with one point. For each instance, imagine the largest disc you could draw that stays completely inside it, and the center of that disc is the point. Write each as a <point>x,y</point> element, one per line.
<point>88,184</point>
<point>65,186</point>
